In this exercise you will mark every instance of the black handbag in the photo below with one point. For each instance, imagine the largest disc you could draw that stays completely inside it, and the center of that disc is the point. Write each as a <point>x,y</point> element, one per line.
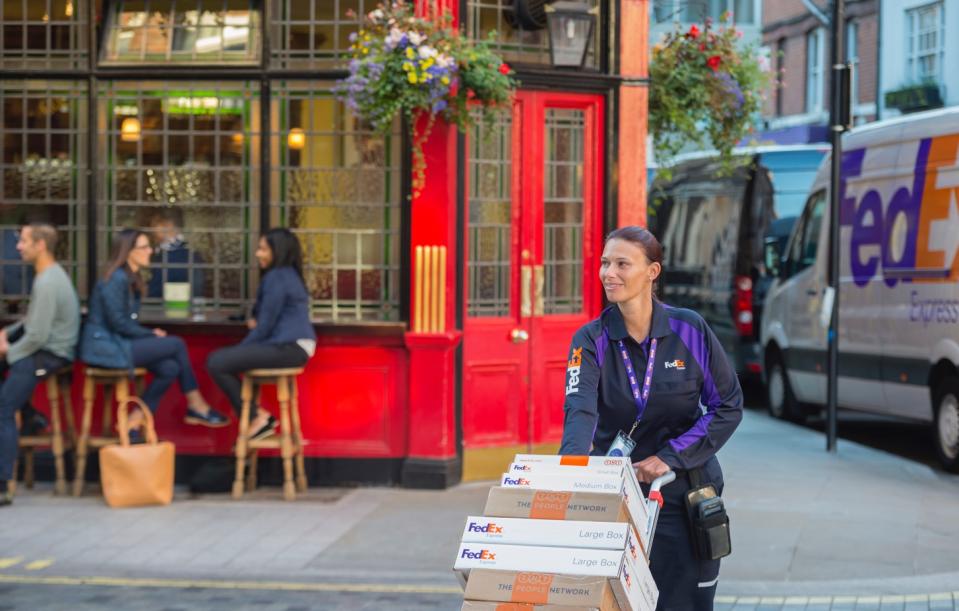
<point>708,522</point>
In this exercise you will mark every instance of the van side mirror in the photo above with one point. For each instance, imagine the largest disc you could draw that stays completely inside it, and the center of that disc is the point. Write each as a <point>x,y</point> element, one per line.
<point>772,256</point>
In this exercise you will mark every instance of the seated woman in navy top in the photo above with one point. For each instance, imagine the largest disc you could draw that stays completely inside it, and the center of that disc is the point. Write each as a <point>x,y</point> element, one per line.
<point>281,334</point>
<point>113,337</point>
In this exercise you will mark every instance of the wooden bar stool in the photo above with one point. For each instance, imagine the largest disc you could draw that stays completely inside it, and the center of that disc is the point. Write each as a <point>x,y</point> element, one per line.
<point>57,385</point>
<point>119,381</point>
<point>290,442</point>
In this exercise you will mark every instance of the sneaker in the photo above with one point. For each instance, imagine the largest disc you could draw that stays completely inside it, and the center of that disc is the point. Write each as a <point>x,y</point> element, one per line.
<point>267,430</point>
<point>6,499</point>
<point>212,418</point>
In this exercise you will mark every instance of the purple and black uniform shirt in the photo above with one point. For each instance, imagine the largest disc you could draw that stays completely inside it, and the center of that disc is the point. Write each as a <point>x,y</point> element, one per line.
<point>695,401</point>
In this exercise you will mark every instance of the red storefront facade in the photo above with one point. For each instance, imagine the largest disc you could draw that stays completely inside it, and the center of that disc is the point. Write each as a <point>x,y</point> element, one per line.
<point>494,263</point>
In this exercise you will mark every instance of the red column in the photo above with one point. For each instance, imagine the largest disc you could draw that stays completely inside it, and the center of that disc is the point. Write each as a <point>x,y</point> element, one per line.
<point>432,460</point>
<point>633,111</point>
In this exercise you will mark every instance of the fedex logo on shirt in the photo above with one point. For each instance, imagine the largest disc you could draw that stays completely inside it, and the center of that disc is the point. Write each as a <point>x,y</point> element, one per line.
<point>678,365</point>
<point>902,231</point>
<point>573,369</point>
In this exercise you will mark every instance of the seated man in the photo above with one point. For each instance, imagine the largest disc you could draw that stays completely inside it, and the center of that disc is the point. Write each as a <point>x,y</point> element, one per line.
<point>173,260</point>
<point>40,344</point>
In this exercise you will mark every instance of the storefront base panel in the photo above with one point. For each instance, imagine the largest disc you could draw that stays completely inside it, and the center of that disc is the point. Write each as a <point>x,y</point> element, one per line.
<point>319,471</point>
<point>480,464</point>
<point>431,474</point>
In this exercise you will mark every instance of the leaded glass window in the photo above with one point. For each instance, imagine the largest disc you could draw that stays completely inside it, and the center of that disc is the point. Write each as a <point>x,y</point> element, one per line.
<point>183,31</point>
<point>563,211</point>
<point>337,186</point>
<point>43,34</point>
<point>314,33</point>
<point>180,161</point>
<point>42,177</point>
<point>512,41</point>
<point>490,218</point>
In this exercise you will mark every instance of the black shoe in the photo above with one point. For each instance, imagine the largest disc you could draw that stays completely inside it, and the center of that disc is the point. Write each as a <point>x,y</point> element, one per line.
<point>212,418</point>
<point>267,430</point>
<point>34,422</point>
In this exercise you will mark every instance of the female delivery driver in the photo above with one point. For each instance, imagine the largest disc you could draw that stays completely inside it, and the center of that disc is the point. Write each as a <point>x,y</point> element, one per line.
<point>685,402</point>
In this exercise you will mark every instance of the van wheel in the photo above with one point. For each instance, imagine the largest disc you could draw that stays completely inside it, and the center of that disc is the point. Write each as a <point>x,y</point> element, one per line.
<point>946,426</point>
<point>780,400</point>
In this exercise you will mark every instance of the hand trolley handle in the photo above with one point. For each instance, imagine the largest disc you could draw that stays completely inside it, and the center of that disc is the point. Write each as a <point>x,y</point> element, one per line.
<point>654,503</point>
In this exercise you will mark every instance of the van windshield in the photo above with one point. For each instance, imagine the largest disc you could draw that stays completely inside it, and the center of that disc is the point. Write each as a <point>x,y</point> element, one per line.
<point>792,174</point>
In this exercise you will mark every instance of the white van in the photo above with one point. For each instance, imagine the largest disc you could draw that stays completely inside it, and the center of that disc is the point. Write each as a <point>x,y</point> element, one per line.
<point>899,282</point>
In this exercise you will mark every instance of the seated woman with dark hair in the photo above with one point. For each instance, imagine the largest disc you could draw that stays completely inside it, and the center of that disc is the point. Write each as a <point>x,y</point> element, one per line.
<point>113,338</point>
<point>281,334</point>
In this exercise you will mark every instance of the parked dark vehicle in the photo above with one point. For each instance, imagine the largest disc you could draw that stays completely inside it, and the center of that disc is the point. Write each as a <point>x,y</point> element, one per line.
<point>720,232</point>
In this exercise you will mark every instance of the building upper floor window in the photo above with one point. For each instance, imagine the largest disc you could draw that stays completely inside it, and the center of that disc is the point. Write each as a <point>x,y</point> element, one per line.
<point>924,46</point>
<point>815,60</point>
<point>182,31</point>
<point>696,11</point>
<point>43,34</point>
<point>852,56</point>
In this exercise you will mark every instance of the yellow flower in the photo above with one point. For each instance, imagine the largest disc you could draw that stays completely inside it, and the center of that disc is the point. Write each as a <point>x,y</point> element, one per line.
<point>429,62</point>
<point>411,77</point>
<point>445,80</point>
<point>407,66</point>
<point>409,53</point>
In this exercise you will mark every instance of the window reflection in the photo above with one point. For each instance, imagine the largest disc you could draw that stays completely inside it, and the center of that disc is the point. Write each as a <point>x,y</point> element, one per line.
<point>338,186</point>
<point>187,31</point>
<point>43,34</point>
<point>181,163</point>
<point>41,176</point>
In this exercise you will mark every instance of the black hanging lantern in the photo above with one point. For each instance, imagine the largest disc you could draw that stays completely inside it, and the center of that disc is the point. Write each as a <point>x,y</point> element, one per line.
<point>529,15</point>
<point>571,26</point>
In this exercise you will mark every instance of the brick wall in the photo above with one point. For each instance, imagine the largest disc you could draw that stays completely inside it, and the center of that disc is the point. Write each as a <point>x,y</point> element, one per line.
<point>785,26</point>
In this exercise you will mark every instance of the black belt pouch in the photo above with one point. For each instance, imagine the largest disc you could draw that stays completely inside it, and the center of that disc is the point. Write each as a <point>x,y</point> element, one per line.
<point>708,521</point>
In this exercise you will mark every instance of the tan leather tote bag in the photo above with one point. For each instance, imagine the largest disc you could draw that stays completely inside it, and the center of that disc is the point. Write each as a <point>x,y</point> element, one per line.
<point>137,475</point>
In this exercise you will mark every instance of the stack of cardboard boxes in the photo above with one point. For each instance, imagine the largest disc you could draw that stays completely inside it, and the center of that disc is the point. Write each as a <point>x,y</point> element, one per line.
<point>560,533</point>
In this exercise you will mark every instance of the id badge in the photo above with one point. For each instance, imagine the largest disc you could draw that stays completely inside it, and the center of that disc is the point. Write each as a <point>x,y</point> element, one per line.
<point>623,445</point>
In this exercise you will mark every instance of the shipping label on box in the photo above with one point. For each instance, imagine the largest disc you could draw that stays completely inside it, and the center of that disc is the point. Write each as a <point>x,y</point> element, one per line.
<point>638,587</point>
<point>556,533</point>
<point>573,482</point>
<point>550,505</point>
<point>482,605</point>
<point>583,481</point>
<point>565,560</point>
<point>539,588</point>
<point>528,464</point>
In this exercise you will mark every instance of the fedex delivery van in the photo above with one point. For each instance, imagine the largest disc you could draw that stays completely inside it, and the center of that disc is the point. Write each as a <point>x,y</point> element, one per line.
<point>899,282</point>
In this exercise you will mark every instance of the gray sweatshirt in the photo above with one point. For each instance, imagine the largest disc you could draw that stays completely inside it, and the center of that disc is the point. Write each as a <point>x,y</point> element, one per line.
<point>53,318</point>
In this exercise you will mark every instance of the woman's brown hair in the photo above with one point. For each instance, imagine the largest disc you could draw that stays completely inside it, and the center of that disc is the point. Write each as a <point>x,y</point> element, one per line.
<point>641,237</point>
<point>123,244</point>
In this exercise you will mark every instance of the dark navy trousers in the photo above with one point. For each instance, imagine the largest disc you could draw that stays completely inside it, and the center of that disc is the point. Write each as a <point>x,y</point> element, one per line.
<point>15,392</point>
<point>685,583</point>
<point>167,359</point>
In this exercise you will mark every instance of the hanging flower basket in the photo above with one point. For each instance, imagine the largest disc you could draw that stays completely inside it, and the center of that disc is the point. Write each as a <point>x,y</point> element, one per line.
<point>706,90</point>
<point>406,66</point>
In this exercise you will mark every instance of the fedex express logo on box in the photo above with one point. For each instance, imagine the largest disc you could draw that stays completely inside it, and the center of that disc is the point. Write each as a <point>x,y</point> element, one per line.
<point>910,232</point>
<point>517,467</point>
<point>483,554</point>
<point>515,481</point>
<point>488,528</point>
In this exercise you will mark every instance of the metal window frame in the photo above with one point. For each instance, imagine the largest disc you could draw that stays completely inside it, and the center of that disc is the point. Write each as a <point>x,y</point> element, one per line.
<point>94,71</point>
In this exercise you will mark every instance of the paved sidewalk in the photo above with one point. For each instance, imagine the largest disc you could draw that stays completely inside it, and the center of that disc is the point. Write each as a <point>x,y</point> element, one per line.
<point>810,530</point>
